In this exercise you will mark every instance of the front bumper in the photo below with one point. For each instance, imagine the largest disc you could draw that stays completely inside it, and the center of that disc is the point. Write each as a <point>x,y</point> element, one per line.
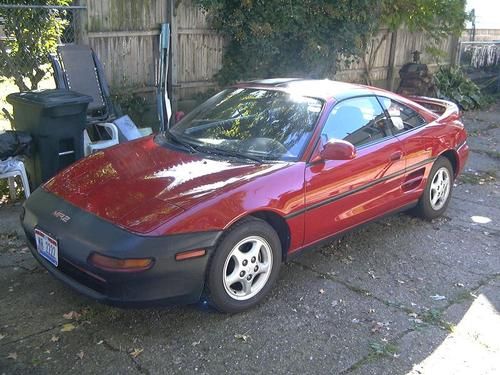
<point>168,281</point>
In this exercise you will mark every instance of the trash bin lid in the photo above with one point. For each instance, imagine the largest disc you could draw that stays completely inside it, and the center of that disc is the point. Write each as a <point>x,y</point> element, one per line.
<point>49,98</point>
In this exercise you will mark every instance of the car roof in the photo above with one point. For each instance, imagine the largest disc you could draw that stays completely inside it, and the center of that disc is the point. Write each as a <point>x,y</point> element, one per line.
<point>317,88</point>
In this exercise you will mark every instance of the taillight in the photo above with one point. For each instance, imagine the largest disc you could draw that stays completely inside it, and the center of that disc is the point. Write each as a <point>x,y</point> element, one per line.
<point>111,264</point>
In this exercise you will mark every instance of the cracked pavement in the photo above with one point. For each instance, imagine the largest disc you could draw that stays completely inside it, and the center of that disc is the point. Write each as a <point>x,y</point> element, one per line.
<point>398,296</point>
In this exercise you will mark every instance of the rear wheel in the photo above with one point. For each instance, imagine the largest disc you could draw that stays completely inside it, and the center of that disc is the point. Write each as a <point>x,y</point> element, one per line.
<point>437,193</point>
<point>244,267</point>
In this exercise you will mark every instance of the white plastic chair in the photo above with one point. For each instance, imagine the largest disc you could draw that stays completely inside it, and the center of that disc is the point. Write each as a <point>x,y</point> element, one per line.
<point>90,147</point>
<point>12,168</point>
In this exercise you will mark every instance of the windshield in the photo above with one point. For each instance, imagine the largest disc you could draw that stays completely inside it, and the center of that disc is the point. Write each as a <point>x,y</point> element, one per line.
<point>252,123</point>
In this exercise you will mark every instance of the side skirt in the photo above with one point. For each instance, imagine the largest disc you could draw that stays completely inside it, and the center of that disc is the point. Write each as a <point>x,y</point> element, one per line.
<point>324,241</point>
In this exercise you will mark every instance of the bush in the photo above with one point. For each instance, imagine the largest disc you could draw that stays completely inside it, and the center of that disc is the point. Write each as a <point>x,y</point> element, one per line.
<point>292,38</point>
<point>452,84</point>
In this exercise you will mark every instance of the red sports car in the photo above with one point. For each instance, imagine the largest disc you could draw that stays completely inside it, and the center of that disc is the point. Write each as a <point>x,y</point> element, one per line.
<point>254,175</point>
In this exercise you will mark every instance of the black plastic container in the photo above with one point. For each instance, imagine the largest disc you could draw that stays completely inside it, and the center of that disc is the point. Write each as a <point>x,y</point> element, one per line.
<point>56,120</point>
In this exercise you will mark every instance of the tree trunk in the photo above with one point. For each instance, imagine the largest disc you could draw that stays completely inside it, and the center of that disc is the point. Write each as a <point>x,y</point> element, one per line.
<point>369,57</point>
<point>11,70</point>
<point>35,79</point>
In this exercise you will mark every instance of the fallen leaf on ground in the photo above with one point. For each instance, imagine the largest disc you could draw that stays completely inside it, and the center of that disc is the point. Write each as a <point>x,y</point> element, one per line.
<point>72,315</point>
<point>80,354</point>
<point>239,336</point>
<point>12,356</point>
<point>67,327</point>
<point>54,338</point>
<point>2,337</point>
<point>136,352</point>
<point>378,326</point>
<point>196,343</point>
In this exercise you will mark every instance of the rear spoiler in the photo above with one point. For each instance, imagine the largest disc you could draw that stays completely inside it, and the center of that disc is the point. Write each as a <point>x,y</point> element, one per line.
<point>442,108</point>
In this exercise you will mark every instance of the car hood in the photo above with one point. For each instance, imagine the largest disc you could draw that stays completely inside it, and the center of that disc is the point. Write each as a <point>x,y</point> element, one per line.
<point>139,185</point>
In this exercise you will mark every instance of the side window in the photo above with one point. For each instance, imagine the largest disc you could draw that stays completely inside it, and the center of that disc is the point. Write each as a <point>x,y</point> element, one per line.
<point>358,120</point>
<point>402,117</point>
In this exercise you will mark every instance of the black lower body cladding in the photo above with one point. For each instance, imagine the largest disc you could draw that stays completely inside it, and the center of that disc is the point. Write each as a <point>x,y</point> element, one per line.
<point>167,281</point>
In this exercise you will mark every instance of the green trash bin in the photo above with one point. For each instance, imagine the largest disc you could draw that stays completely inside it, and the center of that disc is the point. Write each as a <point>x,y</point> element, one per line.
<point>56,120</point>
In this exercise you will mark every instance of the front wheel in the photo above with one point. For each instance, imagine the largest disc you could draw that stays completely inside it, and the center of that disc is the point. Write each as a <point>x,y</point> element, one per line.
<point>437,193</point>
<point>244,267</point>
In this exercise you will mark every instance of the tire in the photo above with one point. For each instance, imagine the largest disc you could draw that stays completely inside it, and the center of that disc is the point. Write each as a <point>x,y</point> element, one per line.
<point>430,205</point>
<point>244,267</point>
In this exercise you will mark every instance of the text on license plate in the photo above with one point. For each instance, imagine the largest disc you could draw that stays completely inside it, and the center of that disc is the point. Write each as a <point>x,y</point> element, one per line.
<point>47,247</point>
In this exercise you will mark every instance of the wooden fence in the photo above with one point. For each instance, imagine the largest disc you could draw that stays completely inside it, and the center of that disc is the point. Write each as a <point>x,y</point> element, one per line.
<point>124,34</point>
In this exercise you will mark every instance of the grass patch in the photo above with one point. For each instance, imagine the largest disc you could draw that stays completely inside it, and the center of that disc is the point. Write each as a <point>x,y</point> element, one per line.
<point>435,318</point>
<point>383,350</point>
<point>477,178</point>
<point>102,312</point>
<point>463,297</point>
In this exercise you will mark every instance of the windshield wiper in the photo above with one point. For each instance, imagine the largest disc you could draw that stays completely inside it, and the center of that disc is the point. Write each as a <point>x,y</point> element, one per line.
<point>183,143</point>
<point>234,154</point>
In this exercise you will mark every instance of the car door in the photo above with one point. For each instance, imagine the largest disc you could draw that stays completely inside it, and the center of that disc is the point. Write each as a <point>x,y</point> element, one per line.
<point>417,142</point>
<point>343,193</point>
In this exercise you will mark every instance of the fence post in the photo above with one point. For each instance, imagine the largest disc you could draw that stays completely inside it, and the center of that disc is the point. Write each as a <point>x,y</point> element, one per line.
<point>391,69</point>
<point>454,51</point>
<point>172,75</point>
<point>81,34</point>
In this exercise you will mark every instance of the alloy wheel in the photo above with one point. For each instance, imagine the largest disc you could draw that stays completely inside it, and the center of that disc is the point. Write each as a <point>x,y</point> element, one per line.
<point>439,188</point>
<point>247,268</point>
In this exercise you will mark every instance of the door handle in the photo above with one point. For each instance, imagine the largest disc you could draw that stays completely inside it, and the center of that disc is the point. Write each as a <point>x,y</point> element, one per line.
<point>396,155</point>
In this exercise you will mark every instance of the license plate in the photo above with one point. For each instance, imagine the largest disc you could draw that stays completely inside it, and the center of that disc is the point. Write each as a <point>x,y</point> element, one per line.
<point>47,247</point>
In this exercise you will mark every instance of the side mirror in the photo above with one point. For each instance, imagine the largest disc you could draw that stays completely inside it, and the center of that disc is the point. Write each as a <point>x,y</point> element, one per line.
<point>338,150</point>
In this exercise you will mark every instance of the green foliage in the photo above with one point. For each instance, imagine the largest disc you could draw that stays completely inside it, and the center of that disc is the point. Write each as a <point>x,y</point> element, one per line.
<point>5,191</point>
<point>452,84</point>
<point>31,34</point>
<point>269,38</point>
<point>437,18</point>
<point>131,104</point>
<point>288,37</point>
<point>383,349</point>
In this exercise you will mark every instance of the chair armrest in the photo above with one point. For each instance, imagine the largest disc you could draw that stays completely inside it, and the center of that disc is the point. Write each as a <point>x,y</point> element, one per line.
<point>110,128</point>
